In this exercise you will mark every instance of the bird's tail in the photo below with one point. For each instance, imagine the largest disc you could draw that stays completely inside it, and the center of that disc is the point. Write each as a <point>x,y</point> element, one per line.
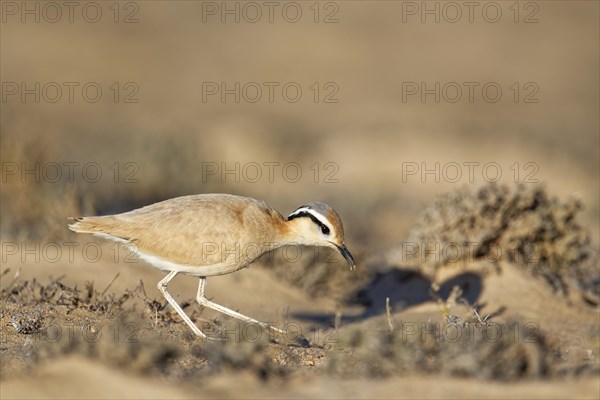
<point>90,224</point>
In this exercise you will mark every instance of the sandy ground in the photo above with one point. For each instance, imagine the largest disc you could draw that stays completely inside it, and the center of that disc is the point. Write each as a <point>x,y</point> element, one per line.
<point>38,366</point>
<point>91,379</point>
<point>70,329</point>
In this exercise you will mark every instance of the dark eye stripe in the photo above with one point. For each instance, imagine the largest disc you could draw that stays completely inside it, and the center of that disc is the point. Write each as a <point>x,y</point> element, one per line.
<point>324,228</point>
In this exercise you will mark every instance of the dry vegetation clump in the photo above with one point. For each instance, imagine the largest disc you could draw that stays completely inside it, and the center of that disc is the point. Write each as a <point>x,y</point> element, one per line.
<point>178,356</point>
<point>518,224</point>
<point>36,304</point>
<point>56,293</point>
<point>471,345</point>
<point>42,322</point>
<point>489,351</point>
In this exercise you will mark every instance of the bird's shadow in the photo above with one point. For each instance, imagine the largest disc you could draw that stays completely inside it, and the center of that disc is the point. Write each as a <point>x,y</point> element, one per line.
<point>405,288</point>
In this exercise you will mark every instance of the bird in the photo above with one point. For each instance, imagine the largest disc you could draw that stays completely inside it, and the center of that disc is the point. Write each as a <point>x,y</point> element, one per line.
<point>206,235</point>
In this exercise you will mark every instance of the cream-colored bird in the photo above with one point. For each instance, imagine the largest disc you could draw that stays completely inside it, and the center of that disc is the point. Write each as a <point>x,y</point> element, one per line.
<point>215,234</point>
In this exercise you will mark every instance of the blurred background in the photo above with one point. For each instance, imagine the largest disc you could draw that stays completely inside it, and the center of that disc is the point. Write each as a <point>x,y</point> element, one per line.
<point>375,107</point>
<point>107,107</point>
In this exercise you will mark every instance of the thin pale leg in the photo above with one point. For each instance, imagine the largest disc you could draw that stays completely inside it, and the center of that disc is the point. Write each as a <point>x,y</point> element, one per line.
<point>202,300</point>
<point>162,286</point>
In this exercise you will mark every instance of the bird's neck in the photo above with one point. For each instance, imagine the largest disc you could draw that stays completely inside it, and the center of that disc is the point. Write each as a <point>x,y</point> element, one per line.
<point>293,233</point>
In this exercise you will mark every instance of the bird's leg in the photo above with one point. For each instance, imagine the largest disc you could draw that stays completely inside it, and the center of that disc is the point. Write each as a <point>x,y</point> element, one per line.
<point>202,300</point>
<point>162,286</point>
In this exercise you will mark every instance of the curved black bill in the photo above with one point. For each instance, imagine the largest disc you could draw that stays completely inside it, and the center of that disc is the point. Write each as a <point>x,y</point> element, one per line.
<point>346,253</point>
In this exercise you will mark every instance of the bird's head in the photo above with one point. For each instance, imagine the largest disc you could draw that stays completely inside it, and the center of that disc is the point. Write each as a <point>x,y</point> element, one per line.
<point>317,224</point>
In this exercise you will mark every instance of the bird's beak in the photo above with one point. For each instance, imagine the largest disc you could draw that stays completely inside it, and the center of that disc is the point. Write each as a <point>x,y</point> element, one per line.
<point>347,255</point>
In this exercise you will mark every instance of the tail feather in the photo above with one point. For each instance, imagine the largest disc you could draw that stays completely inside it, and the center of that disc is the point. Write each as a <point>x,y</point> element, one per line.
<point>91,225</point>
<point>106,227</point>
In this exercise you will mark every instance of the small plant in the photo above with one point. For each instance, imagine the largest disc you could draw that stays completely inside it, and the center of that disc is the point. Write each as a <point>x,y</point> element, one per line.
<point>522,225</point>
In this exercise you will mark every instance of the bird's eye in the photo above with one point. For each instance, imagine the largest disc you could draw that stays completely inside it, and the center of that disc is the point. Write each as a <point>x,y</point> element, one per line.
<point>325,230</point>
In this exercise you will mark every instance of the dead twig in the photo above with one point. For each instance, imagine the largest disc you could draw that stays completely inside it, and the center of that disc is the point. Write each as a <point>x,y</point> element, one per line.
<point>388,312</point>
<point>110,284</point>
<point>483,321</point>
<point>15,278</point>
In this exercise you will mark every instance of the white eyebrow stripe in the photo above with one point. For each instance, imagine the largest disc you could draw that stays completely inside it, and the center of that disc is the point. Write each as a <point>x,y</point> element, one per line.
<point>315,214</point>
